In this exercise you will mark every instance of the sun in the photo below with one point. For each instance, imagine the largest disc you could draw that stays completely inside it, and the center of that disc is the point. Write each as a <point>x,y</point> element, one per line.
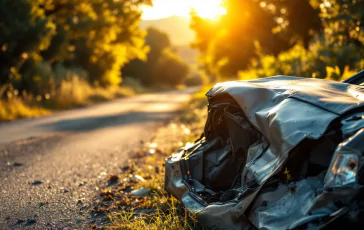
<point>210,9</point>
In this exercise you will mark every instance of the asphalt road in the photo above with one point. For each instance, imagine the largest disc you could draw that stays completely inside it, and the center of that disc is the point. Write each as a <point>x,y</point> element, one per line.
<point>51,167</point>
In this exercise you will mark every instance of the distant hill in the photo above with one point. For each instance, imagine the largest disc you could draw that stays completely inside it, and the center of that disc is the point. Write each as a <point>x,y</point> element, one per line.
<point>178,29</point>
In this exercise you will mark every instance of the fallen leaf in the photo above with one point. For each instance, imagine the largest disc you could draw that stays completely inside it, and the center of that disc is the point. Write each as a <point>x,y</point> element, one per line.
<point>113,178</point>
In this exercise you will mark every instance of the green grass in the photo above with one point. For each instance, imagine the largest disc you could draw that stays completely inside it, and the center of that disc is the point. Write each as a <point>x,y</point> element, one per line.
<point>16,108</point>
<point>78,92</point>
<point>168,213</point>
<point>172,216</point>
<point>70,94</point>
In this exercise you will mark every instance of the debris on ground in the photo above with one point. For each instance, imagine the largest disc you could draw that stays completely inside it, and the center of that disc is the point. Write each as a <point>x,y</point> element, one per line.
<point>20,221</point>
<point>37,182</point>
<point>113,178</point>
<point>15,164</point>
<point>30,222</point>
<point>41,204</point>
<point>116,208</point>
<point>140,192</point>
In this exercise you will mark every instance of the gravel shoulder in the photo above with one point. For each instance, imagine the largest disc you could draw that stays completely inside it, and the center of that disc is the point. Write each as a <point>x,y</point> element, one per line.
<point>52,167</point>
<point>134,198</point>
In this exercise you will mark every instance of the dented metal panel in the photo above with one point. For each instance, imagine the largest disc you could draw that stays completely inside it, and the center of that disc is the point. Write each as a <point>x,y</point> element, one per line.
<point>279,209</point>
<point>283,120</point>
<point>236,177</point>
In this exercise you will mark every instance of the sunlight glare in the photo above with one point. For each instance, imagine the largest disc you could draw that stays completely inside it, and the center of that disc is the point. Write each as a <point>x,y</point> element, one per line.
<point>210,9</point>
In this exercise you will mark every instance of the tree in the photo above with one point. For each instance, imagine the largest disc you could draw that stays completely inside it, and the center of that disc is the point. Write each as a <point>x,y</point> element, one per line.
<point>343,21</point>
<point>25,32</point>
<point>98,36</point>
<point>158,41</point>
<point>162,66</point>
<point>170,69</point>
<point>297,21</point>
<point>329,40</point>
<point>228,44</point>
<point>282,37</point>
<point>343,36</point>
<point>250,28</point>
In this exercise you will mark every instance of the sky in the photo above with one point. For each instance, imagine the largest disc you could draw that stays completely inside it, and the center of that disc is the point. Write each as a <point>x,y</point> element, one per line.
<point>167,8</point>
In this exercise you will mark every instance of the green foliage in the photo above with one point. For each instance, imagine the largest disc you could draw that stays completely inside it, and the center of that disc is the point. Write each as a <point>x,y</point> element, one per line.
<point>134,84</point>
<point>227,44</point>
<point>318,61</point>
<point>97,36</point>
<point>170,69</point>
<point>72,92</point>
<point>163,66</point>
<point>25,31</point>
<point>16,108</point>
<point>101,35</point>
<point>158,41</point>
<point>289,16</point>
<point>194,80</point>
<point>343,21</point>
<point>308,38</point>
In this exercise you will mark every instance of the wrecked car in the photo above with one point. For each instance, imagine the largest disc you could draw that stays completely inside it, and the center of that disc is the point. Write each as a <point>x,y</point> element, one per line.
<point>276,153</point>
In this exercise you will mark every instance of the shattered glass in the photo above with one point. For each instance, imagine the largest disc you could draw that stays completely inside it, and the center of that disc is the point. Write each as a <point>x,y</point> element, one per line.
<point>342,171</point>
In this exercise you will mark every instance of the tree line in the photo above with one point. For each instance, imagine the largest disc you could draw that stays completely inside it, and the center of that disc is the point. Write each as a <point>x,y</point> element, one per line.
<point>46,42</point>
<point>308,38</point>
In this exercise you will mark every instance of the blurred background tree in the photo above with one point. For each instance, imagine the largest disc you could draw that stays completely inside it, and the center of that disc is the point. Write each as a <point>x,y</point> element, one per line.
<point>296,21</point>
<point>95,37</point>
<point>25,33</point>
<point>163,65</point>
<point>53,51</point>
<point>260,38</point>
<point>227,45</point>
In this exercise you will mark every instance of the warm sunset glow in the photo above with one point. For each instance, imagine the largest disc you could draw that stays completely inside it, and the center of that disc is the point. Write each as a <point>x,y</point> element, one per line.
<point>211,9</point>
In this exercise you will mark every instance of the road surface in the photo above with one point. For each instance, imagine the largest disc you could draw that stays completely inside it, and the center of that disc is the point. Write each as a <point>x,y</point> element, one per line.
<point>51,167</point>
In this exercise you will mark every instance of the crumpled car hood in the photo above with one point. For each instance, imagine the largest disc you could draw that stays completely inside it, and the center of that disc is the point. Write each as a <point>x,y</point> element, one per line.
<point>286,111</point>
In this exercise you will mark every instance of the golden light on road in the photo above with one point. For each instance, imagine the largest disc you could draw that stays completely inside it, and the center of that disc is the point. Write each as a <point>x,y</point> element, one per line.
<point>211,9</point>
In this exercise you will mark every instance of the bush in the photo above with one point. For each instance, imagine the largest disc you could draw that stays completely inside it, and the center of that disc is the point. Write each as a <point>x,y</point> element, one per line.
<point>12,106</point>
<point>193,80</point>
<point>162,67</point>
<point>170,69</point>
<point>78,92</point>
<point>62,88</point>
<point>133,83</point>
<point>319,61</point>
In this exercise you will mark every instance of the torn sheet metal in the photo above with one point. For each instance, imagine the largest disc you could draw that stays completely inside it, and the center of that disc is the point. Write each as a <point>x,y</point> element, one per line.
<point>267,145</point>
<point>279,209</point>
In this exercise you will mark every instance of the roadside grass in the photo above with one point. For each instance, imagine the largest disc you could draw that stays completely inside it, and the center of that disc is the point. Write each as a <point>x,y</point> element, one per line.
<point>172,216</point>
<point>69,94</point>
<point>155,209</point>
<point>16,108</point>
<point>76,92</point>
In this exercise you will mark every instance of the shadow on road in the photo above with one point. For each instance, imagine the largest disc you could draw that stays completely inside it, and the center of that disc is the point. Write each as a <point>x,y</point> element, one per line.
<point>99,122</point>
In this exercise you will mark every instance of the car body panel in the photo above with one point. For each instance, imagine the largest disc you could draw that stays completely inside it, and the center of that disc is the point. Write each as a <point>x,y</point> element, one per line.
<point>287,111</point>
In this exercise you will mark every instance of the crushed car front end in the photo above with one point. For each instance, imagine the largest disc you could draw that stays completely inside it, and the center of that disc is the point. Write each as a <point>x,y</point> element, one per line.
<point>276,153</point>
